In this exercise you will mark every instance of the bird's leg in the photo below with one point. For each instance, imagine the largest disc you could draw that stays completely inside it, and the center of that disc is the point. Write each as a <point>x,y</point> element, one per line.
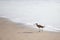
<point>39,29</point>
<point>42,29</point>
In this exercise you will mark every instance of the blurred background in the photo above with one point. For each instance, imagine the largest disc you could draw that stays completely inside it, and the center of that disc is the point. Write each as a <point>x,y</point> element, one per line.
<point>29,12</point>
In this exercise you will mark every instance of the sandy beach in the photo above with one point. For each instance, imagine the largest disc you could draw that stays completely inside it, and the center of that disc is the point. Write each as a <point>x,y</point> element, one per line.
<point>10,31</point>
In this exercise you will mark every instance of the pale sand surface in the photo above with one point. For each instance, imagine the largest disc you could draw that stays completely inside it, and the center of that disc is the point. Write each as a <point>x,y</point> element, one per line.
<point>11,31</point>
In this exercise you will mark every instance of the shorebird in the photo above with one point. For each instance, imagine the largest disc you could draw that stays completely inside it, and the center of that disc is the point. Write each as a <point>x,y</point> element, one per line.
<point>39,26</point>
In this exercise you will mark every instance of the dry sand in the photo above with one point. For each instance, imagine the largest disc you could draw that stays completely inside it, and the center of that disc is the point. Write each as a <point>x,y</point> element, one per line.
<point>10,31</point>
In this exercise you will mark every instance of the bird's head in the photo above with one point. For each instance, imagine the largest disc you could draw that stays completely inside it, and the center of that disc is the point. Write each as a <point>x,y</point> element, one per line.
<point>36,23</point>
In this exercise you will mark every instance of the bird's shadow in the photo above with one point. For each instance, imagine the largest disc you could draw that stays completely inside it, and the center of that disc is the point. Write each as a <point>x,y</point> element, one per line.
<point>25,32</point>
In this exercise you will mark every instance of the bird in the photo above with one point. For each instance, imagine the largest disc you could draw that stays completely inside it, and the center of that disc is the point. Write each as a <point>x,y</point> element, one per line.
<point>39,26</point>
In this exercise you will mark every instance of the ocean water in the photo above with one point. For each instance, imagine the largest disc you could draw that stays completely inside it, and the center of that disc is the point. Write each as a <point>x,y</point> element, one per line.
<point>32,25</point>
